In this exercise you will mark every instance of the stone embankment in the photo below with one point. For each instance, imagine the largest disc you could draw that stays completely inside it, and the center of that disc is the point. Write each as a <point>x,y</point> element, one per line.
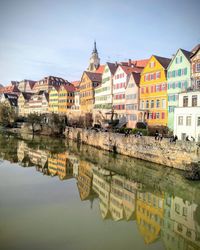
<point>181,155</point>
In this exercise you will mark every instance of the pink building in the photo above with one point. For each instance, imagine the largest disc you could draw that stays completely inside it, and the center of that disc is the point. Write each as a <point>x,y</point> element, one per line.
<point>132,99</point>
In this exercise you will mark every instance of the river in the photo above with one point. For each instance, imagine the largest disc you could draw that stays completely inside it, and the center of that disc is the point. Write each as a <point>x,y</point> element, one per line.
<point>56,194</point>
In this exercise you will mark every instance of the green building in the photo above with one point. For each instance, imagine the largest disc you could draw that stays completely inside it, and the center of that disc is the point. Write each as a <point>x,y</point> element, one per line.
<point>178,79</point>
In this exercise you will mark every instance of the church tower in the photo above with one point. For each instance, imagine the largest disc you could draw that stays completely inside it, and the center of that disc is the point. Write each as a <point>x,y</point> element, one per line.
<point>94,62</point>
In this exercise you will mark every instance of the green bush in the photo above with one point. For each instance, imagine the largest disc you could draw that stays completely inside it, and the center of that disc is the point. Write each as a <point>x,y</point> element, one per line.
<point>143,131</point>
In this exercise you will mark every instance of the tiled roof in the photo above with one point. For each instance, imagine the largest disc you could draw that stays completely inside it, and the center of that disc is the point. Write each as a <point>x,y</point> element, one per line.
<point>163,61</point>
<point>140,63</point>
<point>136,77</point>
<point>112,67</point>
<point>94,77</point>
<point>100,69</point>
<point>8,89</point>
<point>128,69</point>
<point>12,98</point>
<point>69,88</point>
<point>27,96</point>
<point>186,53</point>
<point>195,50</point>
<point>76,83</point>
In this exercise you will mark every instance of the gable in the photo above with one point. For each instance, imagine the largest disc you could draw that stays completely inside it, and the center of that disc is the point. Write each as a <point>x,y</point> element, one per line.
<point>152,65</point>
<point>178,60</point>
<point>84,78</point>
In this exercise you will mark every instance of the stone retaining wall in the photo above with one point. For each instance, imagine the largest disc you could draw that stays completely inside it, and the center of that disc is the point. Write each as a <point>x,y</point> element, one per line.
<point>179,155</point>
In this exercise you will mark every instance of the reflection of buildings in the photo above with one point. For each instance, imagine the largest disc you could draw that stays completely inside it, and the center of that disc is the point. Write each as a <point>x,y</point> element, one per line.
<point>180,229</point>
<point>75,162</point>
<point>59,164</point>
<point>84,181</point>
<point>101,185</point>
<point>117,195</point>
<point>156,213</point>
<point>149,213</point>
<point>29,157</point>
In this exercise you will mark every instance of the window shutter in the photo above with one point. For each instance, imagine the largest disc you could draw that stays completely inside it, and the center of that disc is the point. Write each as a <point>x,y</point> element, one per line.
<point>193,67</point>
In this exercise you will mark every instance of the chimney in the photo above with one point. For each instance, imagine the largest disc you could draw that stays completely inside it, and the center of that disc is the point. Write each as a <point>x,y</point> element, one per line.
<point>129,62</point>
<point>116,63</point>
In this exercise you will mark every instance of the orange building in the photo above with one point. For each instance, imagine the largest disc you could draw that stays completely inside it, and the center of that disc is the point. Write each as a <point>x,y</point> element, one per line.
<point>89,81</point>
<point>153,91</point>
<point>65,98</point>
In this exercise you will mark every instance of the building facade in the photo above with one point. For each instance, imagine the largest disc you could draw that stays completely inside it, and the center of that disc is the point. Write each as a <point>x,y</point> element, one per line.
<point>195,67</point>
<point>132,100</point>
<point>187,116</point>
<point>178,79</point>
<point>153,91</point>
<point>65,98</point>
<point>53,100</point>
<point>47,83</point>
<point>89,82</point>
<point>23,107</point>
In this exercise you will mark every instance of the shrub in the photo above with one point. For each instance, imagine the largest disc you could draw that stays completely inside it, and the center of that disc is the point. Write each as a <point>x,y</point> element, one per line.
<point>143,131</point>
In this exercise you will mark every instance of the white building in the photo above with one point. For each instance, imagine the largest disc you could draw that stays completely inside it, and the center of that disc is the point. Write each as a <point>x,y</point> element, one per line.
<point>187,116</point>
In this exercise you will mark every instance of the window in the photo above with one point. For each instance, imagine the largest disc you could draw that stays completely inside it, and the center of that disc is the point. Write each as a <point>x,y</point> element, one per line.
<point>157,75</point>
<point>152,103</point>
<point>147,104</point>
<point>188,120</point>
<point>198,121</point>
<point>157,103</point>
<point>157,115</point>
<point>163,103</point>
<point>198,84</point>
<point>194,100</point>
<point>177,208</point>
<point>157,88</point>
<point>198,67</point>
<point>185,101</point>
<point>180,120</point>
<point>152,64</point>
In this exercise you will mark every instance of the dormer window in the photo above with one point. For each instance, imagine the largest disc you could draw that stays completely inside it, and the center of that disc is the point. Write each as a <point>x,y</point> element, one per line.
<point>152,64</point>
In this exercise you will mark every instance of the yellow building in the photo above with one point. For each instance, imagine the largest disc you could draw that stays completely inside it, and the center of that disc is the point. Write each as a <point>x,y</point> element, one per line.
<point>23,107</point>
<point>52,165</point>
<point>53,100</point>
<point>149,215</point>
<point>65,98</point>
<point>89,81</point>
<point>153,91</point>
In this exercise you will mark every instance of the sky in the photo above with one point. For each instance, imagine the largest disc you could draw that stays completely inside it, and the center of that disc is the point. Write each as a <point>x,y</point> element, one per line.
<point>42,37</point>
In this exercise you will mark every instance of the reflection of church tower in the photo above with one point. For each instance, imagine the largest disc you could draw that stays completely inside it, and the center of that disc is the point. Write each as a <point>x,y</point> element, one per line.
<point>94,60</point>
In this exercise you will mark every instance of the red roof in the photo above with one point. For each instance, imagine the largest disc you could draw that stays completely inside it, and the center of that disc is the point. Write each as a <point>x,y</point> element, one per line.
<point>128,69</point>
<point>76,83</point>
<point>69,88</point>
<point>140,63</point>
<point>100,69</point>
<point>9,89</point>
<point>137,63</point>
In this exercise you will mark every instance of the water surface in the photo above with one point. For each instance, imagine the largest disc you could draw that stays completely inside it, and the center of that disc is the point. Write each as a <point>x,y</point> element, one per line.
<point>55,194</point>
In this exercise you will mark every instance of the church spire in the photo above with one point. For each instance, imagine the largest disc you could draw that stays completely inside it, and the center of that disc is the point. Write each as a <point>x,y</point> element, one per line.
<point>94,62</point>
<point>95,47</point>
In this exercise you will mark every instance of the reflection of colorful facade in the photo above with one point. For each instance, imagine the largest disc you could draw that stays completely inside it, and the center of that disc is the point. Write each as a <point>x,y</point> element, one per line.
<point>101,185</point>
<point>59,164</point>
<point>84,180</point>
<point>183,215</point>
<point>149,215</point>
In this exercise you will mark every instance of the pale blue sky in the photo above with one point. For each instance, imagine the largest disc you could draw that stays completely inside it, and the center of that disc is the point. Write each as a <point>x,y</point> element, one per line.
<point>44,37</point>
